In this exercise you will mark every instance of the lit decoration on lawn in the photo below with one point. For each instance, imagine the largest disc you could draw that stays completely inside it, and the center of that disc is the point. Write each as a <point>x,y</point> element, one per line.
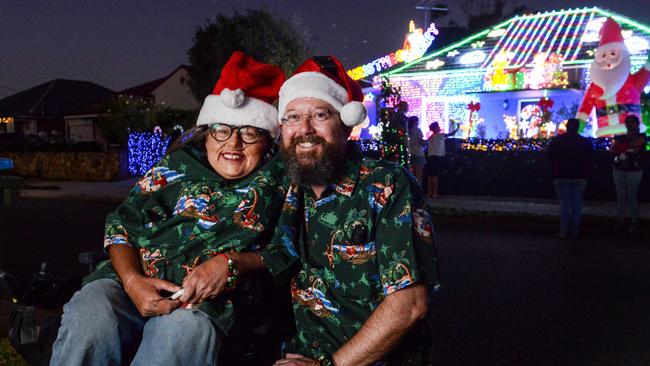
<point>474,119</point>
<point>145,150</point>
<point>512,126</point>
<point>522,145</point>
<point>530,120</point>
<point>547,72</point>
<point>415,45</point>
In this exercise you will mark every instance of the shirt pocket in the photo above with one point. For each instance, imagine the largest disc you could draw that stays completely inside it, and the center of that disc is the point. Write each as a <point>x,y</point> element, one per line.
<point>356,271</point>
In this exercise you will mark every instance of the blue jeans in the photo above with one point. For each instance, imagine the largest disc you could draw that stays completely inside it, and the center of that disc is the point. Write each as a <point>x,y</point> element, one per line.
<point>627,188</point>
<point>569,192</point>
<point>101,326</point>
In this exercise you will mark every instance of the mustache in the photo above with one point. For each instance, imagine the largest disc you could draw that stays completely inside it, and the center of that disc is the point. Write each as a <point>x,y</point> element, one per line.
<point>316,140</point>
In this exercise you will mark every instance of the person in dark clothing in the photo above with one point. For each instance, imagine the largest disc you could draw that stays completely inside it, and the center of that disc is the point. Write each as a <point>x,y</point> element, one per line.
<point>571,156</point>
<point>628,172</point>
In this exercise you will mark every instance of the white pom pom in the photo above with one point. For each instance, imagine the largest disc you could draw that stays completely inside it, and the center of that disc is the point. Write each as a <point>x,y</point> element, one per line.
<point>353,113</point>
<point>232,98</point>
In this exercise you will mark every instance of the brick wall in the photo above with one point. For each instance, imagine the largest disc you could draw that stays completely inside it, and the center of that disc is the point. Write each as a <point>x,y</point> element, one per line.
<point>90,166</point>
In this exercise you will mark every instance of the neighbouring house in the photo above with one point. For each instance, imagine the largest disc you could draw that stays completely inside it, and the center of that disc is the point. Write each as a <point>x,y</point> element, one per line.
<point>170,91</point>
<point>63,110</point>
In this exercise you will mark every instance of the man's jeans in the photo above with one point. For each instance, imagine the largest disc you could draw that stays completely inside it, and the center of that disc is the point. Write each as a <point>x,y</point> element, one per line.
<point>627,188</point>
<point>101,326</point>
<point>569,192</point>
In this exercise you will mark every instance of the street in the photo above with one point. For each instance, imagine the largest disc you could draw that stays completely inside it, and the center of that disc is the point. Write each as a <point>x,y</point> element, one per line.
<point>512,293</point>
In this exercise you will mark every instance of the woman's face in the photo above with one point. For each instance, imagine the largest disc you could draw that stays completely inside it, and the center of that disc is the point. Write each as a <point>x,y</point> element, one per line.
<point>234,159</point>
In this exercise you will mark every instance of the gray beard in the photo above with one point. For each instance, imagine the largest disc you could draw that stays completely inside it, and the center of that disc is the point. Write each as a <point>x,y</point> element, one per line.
<point>317,171</point>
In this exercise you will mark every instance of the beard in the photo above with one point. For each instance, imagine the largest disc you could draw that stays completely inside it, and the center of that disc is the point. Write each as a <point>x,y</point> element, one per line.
<point>310,168</point>
<point>611,80</point>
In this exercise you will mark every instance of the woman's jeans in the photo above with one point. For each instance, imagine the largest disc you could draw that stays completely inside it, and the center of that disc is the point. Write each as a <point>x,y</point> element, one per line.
<point>569,192</point>
<point>627,188</point>
<point>101,326</point>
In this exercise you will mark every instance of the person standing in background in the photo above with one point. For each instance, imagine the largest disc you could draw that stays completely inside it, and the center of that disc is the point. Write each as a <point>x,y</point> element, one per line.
<point>416,147</point>
<point>627,172</point>
<point>436,156</point>
<point>571,156</point>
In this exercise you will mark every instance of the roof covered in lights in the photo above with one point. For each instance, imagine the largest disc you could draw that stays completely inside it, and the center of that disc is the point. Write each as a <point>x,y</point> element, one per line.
<point>571,34</point>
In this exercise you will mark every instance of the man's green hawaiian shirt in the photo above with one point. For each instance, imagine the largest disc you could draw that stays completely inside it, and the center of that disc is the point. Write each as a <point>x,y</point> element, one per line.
<point>368,236</point>
<point>182,213</point>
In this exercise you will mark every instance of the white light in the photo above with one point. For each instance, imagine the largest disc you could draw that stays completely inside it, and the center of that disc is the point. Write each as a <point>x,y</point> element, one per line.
<point>471,58</point>
<point>453,53</point>
<point>496,33</point>
<point>435,64</point>
<point>637,44</point>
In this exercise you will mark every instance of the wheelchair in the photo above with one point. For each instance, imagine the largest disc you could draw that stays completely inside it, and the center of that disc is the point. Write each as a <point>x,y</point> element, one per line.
<point>263,317</point>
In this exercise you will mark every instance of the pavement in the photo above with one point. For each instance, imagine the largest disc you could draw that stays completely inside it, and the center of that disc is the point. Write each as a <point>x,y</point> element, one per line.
<point>117,191</point>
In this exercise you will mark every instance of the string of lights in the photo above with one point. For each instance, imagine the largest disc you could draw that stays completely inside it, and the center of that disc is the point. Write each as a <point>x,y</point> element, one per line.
<point>145,150</point>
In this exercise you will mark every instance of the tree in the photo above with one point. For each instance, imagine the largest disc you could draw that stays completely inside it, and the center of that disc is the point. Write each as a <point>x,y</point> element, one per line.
<point>257,32</point>
<point>126,114</point>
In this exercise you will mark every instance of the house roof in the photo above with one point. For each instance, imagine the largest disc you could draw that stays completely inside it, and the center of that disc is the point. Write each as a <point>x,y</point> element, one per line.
<point>56,98</point>
<point>147,89</point>
<point>571,33</point>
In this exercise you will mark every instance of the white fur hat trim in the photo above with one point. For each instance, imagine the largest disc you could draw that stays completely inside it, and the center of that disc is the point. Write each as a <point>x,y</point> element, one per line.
<point>311,84</point>
<point>250,112</point>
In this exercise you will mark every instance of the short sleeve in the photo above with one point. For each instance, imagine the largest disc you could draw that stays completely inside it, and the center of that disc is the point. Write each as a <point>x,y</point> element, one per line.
<point>279,254</point>
<point>123,225</point>
<point>405,237</point>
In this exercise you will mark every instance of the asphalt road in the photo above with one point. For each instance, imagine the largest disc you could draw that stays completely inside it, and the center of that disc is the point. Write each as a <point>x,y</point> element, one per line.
<point>512,293</point>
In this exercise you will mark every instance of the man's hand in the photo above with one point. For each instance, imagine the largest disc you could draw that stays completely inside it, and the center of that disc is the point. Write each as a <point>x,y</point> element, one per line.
<point>294,359</point>
<point>145,294</point>
<point>205,281</point>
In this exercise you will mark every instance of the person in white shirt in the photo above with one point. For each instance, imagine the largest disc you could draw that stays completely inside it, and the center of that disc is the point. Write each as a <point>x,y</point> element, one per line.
<point>416,147</point>
<point>436,156</point>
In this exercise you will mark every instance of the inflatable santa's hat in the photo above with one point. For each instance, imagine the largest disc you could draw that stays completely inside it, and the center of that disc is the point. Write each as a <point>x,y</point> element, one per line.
<point>610,33</point>
<point>244,95</point>
<point>325,78</point>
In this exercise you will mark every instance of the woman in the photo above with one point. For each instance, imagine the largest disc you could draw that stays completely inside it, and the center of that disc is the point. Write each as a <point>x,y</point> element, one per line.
<point>199,220</point>
<point>436,156</point>
<point>627,171</point>
<point>416,147</point>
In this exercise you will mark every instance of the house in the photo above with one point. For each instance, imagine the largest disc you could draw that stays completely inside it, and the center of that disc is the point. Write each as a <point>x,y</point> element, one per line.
<point>495,82</point>
<point>171,90</point>
<point>64,108</point>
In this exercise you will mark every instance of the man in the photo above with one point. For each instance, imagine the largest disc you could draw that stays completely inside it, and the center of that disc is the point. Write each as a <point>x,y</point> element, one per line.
<point>366,242</point>
<point>571,156</point>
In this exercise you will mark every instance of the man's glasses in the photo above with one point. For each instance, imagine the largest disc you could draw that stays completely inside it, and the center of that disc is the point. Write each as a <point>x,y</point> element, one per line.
<point>293,119</point>
<point>247,134</point>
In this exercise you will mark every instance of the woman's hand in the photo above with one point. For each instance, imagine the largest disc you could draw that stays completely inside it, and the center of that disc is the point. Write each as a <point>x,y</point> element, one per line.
<point>294,359</point>
<point>206,281</point>
<point>145,294</point>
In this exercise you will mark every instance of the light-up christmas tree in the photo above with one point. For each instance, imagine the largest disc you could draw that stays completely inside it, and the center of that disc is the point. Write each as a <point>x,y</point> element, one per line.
<point>392,123</point>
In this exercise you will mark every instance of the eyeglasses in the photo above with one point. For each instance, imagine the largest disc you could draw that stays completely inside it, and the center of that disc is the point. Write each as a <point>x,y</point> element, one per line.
<point>247,134</point>
<point>293,119</point>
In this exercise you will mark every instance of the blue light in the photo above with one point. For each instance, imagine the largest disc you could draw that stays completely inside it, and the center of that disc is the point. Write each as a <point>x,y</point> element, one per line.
<point>145,150</point>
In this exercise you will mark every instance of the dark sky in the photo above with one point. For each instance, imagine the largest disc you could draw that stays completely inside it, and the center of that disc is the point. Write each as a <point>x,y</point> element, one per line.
<point>121,43</point>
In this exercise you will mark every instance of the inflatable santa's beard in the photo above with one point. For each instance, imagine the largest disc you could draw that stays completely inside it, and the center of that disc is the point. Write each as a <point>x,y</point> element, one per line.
<point>610,68</point>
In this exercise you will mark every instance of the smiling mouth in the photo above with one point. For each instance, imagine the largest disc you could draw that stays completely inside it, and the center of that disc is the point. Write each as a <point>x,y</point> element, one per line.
<point>307,144</point>
<point>232,156</point>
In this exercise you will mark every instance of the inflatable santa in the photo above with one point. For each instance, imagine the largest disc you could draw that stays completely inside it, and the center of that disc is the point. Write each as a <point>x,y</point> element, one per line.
<point>613,91</point>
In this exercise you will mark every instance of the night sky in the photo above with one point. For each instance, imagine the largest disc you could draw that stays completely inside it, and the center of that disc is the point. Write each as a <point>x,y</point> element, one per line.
<point>119,44</point>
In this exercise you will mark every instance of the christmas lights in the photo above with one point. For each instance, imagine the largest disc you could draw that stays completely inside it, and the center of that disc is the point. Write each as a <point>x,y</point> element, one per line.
<point>521,145</point>
<point>145,150</point>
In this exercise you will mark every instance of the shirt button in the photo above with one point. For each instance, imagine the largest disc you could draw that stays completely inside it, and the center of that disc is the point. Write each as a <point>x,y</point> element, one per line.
<point>315,344</point>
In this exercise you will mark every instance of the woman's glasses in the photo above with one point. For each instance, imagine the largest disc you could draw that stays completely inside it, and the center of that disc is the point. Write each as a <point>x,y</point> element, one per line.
<point>247,134</point>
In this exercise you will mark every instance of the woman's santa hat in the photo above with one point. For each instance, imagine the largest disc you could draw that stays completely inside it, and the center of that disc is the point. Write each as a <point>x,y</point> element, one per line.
<point>244,94</point>
<point>325,78</point>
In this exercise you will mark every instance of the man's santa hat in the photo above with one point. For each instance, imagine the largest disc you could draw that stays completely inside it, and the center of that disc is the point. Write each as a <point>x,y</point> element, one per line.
<point>324,78</point>
<point>244,94</point>
<point>611,35</point>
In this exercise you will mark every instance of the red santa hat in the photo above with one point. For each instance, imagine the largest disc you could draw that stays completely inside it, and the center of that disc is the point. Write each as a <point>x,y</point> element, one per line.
<point>325,78</point>
<point>244,94</point>
<point>610,33</point>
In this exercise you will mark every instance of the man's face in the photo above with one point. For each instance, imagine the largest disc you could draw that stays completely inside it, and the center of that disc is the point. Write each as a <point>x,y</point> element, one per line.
<point>314,144</point>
